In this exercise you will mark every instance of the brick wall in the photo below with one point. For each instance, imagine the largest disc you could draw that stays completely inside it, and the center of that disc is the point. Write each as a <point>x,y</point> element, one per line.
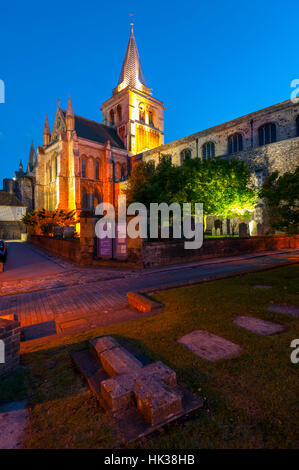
<point>62,247</point>
<point>10,339</point>
<point>173,252</point>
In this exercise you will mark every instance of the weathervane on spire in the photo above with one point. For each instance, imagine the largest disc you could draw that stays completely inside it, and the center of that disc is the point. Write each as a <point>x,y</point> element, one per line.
<point>132,22</point>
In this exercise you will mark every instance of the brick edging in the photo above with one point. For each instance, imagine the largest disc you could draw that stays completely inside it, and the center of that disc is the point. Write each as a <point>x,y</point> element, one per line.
<point>141,302</point>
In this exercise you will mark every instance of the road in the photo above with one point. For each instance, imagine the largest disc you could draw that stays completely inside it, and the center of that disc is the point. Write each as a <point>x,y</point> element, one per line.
<point>25,262</point>
<point>94,302</point>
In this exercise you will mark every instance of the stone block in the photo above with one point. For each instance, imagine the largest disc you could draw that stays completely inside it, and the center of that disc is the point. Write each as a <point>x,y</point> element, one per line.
<point>209,346</point>
<point>118,391</point>
<point>161,372</point>
<point>258,326</point>
<point>118,361</point>
<point>99,345</point>
<point>155,402</point>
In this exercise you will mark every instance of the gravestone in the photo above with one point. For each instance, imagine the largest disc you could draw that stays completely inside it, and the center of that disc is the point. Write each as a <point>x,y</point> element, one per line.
<point>209,346</point>
<point>218,232</point>
<point>291,310</point>
<point>253,228</point>
<point>260,229</point>
<point>256,325</point>
<point>226,227</point>
<point>243,231</point>
<point>130,383</point>
<point>213,231</point>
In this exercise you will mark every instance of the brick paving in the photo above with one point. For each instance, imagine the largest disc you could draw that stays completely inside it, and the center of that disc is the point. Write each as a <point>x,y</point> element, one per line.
<point>88,297</point>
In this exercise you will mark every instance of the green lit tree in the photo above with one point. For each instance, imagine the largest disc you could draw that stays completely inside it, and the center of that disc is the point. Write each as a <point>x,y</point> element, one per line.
<point>282,198</point>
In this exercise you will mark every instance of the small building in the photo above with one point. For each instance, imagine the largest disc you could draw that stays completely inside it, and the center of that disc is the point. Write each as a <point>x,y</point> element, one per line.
<point>11,213</point>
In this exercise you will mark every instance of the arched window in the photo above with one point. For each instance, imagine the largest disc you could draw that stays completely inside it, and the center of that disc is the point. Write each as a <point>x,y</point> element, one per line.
<point>151,117</point>
<point>185,155</point>
<point>119,113</point>
<point>297,126</point>
<point>97,199</point>
<point>267,134</point>
<point>141,113</point>
<point>208,150</point>
<point>83,167</point>
<point>111,114</point>
<point>56,166</point>
<point>123,171</point>
<point>84,199</point>
<point>97,170</point>
<point>235,143</point>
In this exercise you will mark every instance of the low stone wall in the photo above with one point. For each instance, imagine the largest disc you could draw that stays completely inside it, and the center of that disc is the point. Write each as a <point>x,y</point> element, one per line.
<point>67,248</point>
<point>9,346</point>
<point>173,252</point>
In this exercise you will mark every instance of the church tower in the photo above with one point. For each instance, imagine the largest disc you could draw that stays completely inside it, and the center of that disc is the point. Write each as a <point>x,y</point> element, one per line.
<point>132,110</point>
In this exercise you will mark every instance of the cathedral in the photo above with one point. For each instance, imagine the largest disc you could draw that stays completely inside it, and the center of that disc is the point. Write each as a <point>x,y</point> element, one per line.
<point>83,162</point>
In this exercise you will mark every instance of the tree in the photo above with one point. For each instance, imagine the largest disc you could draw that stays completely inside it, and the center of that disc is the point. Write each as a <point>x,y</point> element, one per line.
<point>44,221</point>
<point>223,187</point>
<point>282,197</point>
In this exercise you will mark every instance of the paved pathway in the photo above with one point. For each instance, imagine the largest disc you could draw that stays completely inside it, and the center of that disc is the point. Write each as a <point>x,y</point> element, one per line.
<point>75,296</point>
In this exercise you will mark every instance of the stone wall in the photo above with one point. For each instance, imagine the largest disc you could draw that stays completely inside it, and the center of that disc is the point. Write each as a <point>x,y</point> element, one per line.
<point>283,115</point>
<point>9,346</point>
<point>173,252</point>
<point>62,247</point>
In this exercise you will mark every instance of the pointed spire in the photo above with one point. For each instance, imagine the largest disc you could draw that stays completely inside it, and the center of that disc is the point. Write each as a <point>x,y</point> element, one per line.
<point>46,130</point>
<point>21,165</point>
<point>32,159</point>
<point>131,72</point>
<point>69,109</point>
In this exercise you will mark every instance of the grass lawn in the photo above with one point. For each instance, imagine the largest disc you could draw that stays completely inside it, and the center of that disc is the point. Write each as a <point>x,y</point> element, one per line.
<point>251,400</point>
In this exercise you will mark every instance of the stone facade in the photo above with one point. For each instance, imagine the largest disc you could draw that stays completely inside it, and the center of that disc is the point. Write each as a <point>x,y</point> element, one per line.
<point>83,162</point>
<point>282,154</point>
<point>132,110</point>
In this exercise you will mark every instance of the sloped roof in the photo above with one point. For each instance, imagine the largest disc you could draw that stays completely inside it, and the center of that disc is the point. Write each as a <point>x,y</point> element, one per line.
<point>97,132</point>
<point>7,199</point>
<point>131,72</point>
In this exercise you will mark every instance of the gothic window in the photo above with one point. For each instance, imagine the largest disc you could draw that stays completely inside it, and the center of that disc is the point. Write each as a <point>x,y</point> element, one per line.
<point>235,143</point>
<point>297,126</point>
<point>84,199</point>
<point>96,199</point>
<point>111,117</point>
<point>122,132</point>
<point>123,172</point>
<point>185,155</point>
<point>83,167</point>
<point>208,150</point>
<point>151,117</point>
<point>97,170</point>
<point>119,113</point>
<point>267,134</point>
<point>56,166</point>
<point>141,113</point>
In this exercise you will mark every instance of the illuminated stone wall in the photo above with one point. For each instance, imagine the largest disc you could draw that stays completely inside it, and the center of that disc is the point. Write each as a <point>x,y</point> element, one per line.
<point>282,155</point>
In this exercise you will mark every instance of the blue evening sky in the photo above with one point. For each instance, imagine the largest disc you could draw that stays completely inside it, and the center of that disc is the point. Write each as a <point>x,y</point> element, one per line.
<point>208,61</point>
